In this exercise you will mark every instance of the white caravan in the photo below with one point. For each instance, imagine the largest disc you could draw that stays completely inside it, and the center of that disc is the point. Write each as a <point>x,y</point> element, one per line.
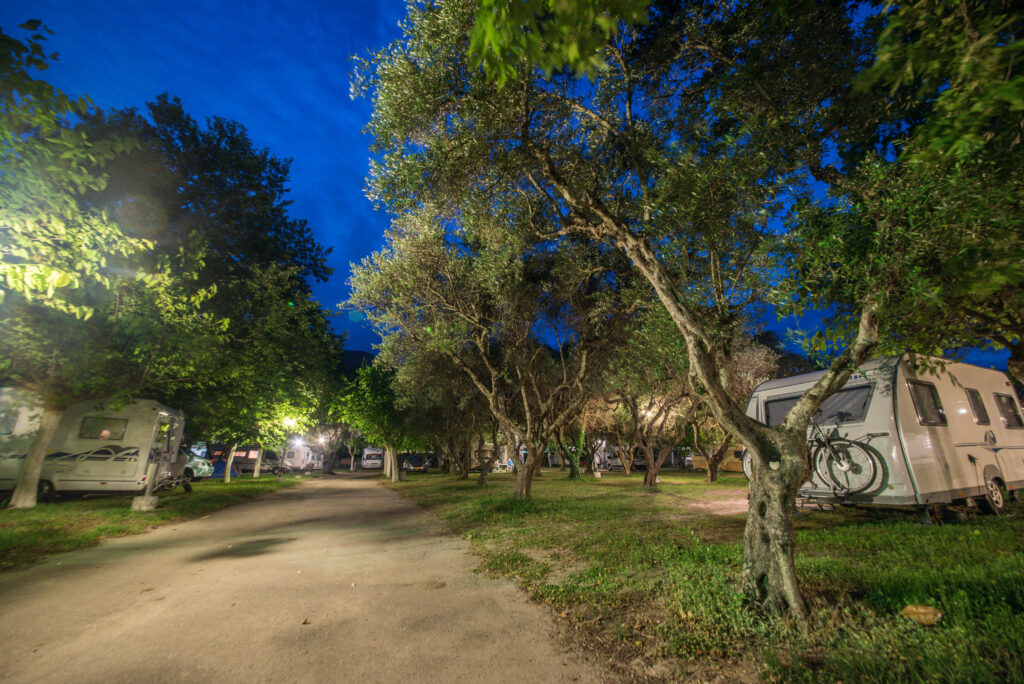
<point>300,458</point>
<point>373,458</point>
<point>95,448</point>
<point>908,431</point>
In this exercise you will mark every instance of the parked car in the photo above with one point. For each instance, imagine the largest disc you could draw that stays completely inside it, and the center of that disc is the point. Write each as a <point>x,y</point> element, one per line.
<point>416,463</point>
<point>197,467</point>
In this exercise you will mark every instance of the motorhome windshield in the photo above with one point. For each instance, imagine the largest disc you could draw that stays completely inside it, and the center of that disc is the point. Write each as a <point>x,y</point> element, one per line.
<point>103,428</point>
<point>848,405</point>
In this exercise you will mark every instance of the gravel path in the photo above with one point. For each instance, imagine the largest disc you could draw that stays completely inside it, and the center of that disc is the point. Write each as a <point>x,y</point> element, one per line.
<point>336,580</point>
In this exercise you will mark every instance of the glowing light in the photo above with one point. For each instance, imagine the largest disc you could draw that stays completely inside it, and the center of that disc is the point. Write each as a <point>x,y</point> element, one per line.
<point>297,442</point>
<point>289,422</point>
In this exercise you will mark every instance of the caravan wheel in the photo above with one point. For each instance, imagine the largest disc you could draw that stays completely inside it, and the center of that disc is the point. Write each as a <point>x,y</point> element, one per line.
<point>748,465</point>
<point>994,501</point>
<point>45,491</point>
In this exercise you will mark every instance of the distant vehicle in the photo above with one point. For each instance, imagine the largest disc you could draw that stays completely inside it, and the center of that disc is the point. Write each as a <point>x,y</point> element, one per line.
<point>373,458</point>
<point>908,431</point>
<point>197,467</point>
<point>95,448</point>
<point>299,458</point>
<point>416,463</point>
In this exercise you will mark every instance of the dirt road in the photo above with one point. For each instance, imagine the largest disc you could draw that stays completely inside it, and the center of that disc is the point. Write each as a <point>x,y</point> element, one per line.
<point>337,580</point>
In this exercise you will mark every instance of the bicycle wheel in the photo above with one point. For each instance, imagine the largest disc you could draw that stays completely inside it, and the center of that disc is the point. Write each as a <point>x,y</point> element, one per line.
<point>855,468</point>
<point>821,458</point>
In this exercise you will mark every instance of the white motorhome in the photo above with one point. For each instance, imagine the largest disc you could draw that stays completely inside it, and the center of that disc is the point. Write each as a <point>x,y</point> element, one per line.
<point>908,430</point>
<point>95,448</point>
<point>373,458</point>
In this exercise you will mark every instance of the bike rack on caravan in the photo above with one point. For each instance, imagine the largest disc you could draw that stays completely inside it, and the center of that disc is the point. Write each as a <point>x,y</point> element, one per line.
<point>908,431</point>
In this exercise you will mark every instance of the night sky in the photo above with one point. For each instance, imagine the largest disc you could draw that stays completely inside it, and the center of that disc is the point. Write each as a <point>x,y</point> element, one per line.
<point>279,69</point>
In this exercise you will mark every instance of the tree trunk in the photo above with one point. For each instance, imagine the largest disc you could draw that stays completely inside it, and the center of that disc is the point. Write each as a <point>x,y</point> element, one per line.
<point>485,466</point>
<point>466,461</point>
<point>390,471</point>
<point>769,572</point>
<point>574,457</point>
<point>351,460</point>
<point>653,467</point>
<point>259,463</point>
<point>27,487</point>
<point>230,463</point>
<point>626,459</point>
<point>526,471</point>
<point>715,459</point>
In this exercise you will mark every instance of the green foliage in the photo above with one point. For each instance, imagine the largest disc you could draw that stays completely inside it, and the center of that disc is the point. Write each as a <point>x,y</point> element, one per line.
<point>369,406</point>
<point>549,34</point>
<point>52,242</point>
<point>964,58</point>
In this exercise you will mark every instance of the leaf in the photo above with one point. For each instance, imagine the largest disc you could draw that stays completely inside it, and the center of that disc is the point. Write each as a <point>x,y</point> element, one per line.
<point>922,615</point>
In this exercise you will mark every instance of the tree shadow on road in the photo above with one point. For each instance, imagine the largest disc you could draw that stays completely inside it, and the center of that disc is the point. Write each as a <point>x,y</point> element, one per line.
<point>245,549</point>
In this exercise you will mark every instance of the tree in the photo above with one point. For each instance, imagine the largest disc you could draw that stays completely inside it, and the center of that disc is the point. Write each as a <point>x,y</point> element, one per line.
<point>439,398</point>
<point>933,224</point>
<point>191,184</point>
<point>690,143</point>
<point>522,321</point>
<point>370,407</point>
<point>52,243</point>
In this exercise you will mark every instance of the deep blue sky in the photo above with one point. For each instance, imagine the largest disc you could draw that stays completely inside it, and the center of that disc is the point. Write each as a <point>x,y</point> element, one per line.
<point>281,69</point>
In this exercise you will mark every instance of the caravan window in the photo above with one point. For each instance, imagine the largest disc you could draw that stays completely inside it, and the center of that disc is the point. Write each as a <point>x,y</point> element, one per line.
<point>848,405</point>
<point>977,406</point>
<point>926,401</point>
<point>103,428</point>
<point>1008,410</point>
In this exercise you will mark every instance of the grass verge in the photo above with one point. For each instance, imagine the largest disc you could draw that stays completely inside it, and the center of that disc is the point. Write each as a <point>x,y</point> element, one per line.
<point>651,581</point>
<point>26,535</point>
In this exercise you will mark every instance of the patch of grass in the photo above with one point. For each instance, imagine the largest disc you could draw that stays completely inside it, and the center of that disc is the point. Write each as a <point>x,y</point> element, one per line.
<point>26,535</point>
<point>654,577</point>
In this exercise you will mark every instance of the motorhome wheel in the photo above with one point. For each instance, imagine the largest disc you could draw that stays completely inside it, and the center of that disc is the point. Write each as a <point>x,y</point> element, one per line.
<point>189,475</point>
<point>45,491</point>
<point>995,499</point>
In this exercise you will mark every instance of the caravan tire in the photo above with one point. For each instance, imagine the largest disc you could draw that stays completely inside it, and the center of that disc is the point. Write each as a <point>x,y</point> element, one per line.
<point>45,491</point>
<point>994,501</point>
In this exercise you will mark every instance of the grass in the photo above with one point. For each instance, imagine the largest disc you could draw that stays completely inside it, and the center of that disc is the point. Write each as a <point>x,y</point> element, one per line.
<point>651,580</point>
<point>27,535</point>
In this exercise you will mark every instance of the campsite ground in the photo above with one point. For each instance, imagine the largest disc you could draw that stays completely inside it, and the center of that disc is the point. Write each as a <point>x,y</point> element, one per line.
<point>341,579</point>
<point>338,579</point>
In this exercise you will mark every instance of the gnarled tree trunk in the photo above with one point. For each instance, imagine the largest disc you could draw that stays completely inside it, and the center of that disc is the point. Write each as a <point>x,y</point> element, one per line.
<point>27,487</point>
<point>526,471</point>
<point>769,572</point>
<point>655,460</point>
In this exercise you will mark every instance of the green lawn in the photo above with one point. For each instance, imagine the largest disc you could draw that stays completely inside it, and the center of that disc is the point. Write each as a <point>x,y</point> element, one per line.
<point>650,579</point>
<point>29,534</point>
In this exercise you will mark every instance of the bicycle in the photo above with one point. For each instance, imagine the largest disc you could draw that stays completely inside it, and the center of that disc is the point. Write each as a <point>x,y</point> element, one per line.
<point>845,465</point>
